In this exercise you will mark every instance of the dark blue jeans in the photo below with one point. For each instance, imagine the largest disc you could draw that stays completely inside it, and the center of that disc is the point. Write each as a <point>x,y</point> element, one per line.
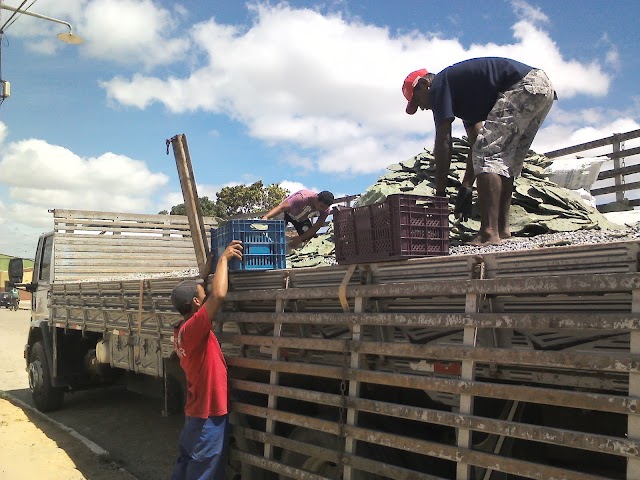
<point>204,446</point>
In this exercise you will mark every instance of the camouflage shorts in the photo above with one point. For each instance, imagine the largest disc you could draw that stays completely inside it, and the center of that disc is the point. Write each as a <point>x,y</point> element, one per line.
<point>511,126</point>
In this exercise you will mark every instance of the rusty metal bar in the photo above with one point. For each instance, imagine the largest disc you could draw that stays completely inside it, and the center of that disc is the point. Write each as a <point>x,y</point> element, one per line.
<point>554,284</point>
<point>274,466</point>
<point>296,419</point>
<point>620,321</point>
<point>556,436</point>
<point>546,396</point>
<point>472,305</point>
<point>618,137</point>
<point>366,465</point>
<point>424,447</point>
<point>274,379</point>
<point>613,361</point>
<point>479,459</point>
<point>633,422</point>
<point>354,386</point>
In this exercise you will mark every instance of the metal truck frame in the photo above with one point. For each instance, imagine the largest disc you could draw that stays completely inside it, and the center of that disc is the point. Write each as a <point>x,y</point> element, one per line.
<point>520,364</point>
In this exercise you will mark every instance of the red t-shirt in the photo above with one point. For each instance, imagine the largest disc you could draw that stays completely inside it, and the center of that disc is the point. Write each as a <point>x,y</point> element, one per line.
<point>204,365</point>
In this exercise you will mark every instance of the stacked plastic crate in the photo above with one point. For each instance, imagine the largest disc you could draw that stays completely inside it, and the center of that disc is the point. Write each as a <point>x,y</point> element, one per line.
<point>404,226</point>
<point>263,241</point>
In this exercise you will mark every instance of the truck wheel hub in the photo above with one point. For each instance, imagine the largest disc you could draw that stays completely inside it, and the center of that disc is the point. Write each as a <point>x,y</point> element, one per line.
<point>35,375</point>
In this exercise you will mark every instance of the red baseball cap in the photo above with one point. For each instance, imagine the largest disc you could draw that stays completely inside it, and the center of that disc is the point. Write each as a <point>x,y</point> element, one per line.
<point>407,88</point>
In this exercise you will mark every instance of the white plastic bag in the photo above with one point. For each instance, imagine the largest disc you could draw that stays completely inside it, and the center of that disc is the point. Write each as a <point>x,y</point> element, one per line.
<point>575,173</point>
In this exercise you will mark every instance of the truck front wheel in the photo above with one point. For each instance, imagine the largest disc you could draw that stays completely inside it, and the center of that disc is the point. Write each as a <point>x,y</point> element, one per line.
<point>46,397</point>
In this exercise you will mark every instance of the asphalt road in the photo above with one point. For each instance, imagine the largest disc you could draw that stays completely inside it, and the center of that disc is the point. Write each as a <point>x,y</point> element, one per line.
<point>126,424</point>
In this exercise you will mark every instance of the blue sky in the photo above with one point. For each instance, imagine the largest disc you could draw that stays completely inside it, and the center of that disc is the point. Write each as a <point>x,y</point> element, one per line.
<point>300,93</point>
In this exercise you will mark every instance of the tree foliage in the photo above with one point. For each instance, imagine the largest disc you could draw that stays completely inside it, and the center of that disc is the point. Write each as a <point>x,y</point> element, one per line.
<point>239,199</point>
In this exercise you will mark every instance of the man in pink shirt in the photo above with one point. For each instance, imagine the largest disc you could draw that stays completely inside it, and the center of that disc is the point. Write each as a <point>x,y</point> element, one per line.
<point>204,441</point>
<point>298,210</point>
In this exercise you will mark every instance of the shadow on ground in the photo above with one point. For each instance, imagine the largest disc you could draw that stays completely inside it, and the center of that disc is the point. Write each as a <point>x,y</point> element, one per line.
<point>128,425</point>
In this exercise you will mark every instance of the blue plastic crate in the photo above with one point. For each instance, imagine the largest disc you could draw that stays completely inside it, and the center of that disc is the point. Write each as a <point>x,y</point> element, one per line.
<point>264,243</point>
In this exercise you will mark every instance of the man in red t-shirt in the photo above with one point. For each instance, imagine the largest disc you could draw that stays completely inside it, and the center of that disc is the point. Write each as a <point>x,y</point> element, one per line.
<point>204,439</point>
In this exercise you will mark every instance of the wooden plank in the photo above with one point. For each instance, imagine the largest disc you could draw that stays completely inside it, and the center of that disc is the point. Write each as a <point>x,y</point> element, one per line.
<point>191,200</point>
<point>597,361</point>
<point>462,455</point>
<point>504,286</point>
<point>621,321</point>
<point>79,224</point>
<point>551,435</point>
<point>633,422</point>
<point>122,244</point>
<point>615,188</point>
<point>426,447</point>
<point>61,214</point>
<point>545,396</point>
<point>367,465</point>
<point>119,226</point>
<point>629,152</point>
<point>105,263</point>
<point>83,257</point>
<point>631,169</point>
<point>619,137</point>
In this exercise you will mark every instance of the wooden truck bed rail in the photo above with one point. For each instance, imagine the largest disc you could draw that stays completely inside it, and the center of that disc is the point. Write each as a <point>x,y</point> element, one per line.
<point>449,367</point>
<point>96,245</point>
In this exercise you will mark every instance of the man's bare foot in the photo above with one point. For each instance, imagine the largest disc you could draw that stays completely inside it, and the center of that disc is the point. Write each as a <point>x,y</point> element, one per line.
<point>480,240</point>
<point>504,235</point>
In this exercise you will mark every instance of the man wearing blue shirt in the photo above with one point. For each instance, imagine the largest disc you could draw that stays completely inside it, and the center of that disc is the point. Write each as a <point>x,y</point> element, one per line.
<point>502,104</point>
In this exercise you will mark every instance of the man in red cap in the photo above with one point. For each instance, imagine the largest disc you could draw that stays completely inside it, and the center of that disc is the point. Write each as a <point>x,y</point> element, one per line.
<point>502,104</point>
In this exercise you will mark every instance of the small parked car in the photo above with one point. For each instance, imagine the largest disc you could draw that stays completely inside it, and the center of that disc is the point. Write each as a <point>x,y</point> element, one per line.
<point>6,299</point>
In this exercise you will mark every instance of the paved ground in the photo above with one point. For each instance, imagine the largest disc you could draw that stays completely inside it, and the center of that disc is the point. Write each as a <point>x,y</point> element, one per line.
<point>127,425</point>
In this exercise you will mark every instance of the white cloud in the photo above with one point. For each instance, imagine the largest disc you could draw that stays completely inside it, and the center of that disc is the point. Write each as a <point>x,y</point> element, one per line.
<point>554,137</point>
<point>528,12</point>
<point>612,55</point>
<point>37,164</point>
<point>291,81</point>
<point>293,186</point>
<point>46,176</point>
<point>133,32</point>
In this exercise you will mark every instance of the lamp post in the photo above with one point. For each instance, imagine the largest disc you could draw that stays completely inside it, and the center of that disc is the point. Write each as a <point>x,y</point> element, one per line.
<point>65,37</point>
<point>5,86</point>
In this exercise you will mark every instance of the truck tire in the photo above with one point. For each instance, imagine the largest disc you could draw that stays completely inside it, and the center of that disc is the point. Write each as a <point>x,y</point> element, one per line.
<point>46,397</point>
<point>318,466</point>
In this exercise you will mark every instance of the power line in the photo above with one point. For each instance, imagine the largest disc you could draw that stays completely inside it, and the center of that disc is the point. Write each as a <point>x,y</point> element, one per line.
<point>14,20</point>
<point>2,29</point>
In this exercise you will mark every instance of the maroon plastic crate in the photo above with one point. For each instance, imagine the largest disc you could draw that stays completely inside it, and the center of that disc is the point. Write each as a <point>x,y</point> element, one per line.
<point>404,226</point>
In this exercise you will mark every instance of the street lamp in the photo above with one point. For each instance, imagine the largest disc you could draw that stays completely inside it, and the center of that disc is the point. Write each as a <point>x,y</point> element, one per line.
<point>5,86</point>
<point>65,37</point>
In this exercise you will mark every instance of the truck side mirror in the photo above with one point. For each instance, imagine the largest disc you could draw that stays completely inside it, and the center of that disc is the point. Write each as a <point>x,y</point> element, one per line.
<point>16,271</point>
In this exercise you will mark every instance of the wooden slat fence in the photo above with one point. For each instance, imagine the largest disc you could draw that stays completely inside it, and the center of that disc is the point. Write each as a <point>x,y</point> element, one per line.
<point>624,169</point>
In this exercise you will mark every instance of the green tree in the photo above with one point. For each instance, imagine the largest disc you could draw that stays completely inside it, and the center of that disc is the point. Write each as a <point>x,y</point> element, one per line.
<point>209,208</point>
<point>240,199</point>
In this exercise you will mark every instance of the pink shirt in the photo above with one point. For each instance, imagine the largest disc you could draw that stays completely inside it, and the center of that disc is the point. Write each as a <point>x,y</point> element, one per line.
<point>301,206</point>
<point>204,365</point>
